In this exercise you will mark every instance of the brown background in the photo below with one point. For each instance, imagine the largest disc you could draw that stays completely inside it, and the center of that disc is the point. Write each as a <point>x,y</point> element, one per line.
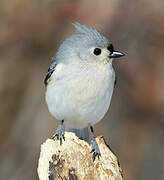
<point>30,33</point>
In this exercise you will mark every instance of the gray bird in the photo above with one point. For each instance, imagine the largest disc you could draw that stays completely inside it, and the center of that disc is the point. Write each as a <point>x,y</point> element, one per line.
<point>80,82</point>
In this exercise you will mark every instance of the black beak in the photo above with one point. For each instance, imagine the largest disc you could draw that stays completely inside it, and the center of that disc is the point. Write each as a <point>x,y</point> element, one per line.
<point>116,54</point>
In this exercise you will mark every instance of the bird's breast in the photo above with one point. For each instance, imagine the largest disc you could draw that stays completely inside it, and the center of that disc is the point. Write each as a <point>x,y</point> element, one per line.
<point>93,84</point>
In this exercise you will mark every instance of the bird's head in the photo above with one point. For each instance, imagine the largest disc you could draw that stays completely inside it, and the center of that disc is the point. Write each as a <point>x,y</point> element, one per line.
<point>88,45</point>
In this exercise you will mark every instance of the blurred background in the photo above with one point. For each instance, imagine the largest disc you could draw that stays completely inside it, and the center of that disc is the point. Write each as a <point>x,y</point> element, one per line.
<point>31,32</point>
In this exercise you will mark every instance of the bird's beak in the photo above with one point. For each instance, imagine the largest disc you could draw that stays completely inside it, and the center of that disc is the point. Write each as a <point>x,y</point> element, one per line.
<point>116,54</point>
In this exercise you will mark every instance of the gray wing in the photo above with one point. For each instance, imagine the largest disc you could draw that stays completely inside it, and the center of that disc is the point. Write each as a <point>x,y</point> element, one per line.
<point>50,71</point>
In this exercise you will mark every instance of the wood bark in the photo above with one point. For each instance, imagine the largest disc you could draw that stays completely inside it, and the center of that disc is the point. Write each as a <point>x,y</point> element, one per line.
<point>73,160</point>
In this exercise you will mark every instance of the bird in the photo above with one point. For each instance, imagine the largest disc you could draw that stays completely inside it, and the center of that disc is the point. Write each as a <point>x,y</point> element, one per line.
<point>80,83</point>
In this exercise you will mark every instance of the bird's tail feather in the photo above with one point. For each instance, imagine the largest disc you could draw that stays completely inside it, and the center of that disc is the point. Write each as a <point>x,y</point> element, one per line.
<point>81,133</point>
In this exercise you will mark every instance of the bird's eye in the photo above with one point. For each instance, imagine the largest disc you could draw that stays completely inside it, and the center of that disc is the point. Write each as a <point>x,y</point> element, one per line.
<point>110,48</point>
<point>97,51</point>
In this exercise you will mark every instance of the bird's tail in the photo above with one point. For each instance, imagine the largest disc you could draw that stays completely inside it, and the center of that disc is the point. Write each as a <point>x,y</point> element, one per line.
<point>81,133</point>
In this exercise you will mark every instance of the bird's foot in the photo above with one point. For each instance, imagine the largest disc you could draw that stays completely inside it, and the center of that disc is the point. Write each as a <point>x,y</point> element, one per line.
<point>59,133</point>
<point>95,149</point>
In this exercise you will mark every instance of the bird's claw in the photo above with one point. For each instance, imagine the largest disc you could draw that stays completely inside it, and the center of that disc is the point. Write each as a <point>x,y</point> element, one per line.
<point>59,134</point>
<point>95,149</point>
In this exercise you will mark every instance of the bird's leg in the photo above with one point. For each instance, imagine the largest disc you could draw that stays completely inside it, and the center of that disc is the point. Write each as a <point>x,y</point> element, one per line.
<point>60,132</point>
<point>95,147</point>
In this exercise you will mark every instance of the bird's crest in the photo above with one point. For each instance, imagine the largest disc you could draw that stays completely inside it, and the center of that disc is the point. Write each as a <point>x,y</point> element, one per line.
<point>92,34</point>
<point>83,28</point>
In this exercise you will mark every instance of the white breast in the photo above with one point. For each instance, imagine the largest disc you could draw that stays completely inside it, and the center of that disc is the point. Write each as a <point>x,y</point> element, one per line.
<point>83,96</point>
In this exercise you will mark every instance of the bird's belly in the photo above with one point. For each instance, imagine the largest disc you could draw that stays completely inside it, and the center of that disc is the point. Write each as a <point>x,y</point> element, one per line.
<point>80,101</point>
<point>91,99</point>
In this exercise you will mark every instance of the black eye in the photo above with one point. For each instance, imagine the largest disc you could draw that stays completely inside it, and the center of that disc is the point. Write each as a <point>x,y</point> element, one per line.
<point>110,48</point>
<point>97,51</point>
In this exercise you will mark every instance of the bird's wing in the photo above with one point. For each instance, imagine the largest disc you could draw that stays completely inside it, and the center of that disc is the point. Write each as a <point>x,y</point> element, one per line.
<point>50,71</point>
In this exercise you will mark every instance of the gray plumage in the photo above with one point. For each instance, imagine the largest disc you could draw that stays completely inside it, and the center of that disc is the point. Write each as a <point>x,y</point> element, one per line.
<point>85,37</point>
<point>80,81</point>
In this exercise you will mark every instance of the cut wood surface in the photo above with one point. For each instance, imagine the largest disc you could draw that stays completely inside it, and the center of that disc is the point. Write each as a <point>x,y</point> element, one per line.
<point>73,160</point>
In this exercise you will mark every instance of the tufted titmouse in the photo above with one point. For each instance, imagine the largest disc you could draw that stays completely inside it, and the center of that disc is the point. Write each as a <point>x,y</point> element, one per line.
<point>80,82</point>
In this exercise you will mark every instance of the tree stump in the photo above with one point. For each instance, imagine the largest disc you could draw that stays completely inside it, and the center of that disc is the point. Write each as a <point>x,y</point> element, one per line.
<point>73,160</point>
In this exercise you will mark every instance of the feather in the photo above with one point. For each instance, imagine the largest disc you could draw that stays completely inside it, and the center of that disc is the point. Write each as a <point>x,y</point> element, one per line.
<point>83,28</point>
<point>91,34</point>
<point>49,72</point>
<point>81,133</point>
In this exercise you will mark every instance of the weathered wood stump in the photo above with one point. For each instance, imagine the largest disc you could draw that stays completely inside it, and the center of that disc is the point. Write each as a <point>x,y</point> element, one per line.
<point>73,160</point>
